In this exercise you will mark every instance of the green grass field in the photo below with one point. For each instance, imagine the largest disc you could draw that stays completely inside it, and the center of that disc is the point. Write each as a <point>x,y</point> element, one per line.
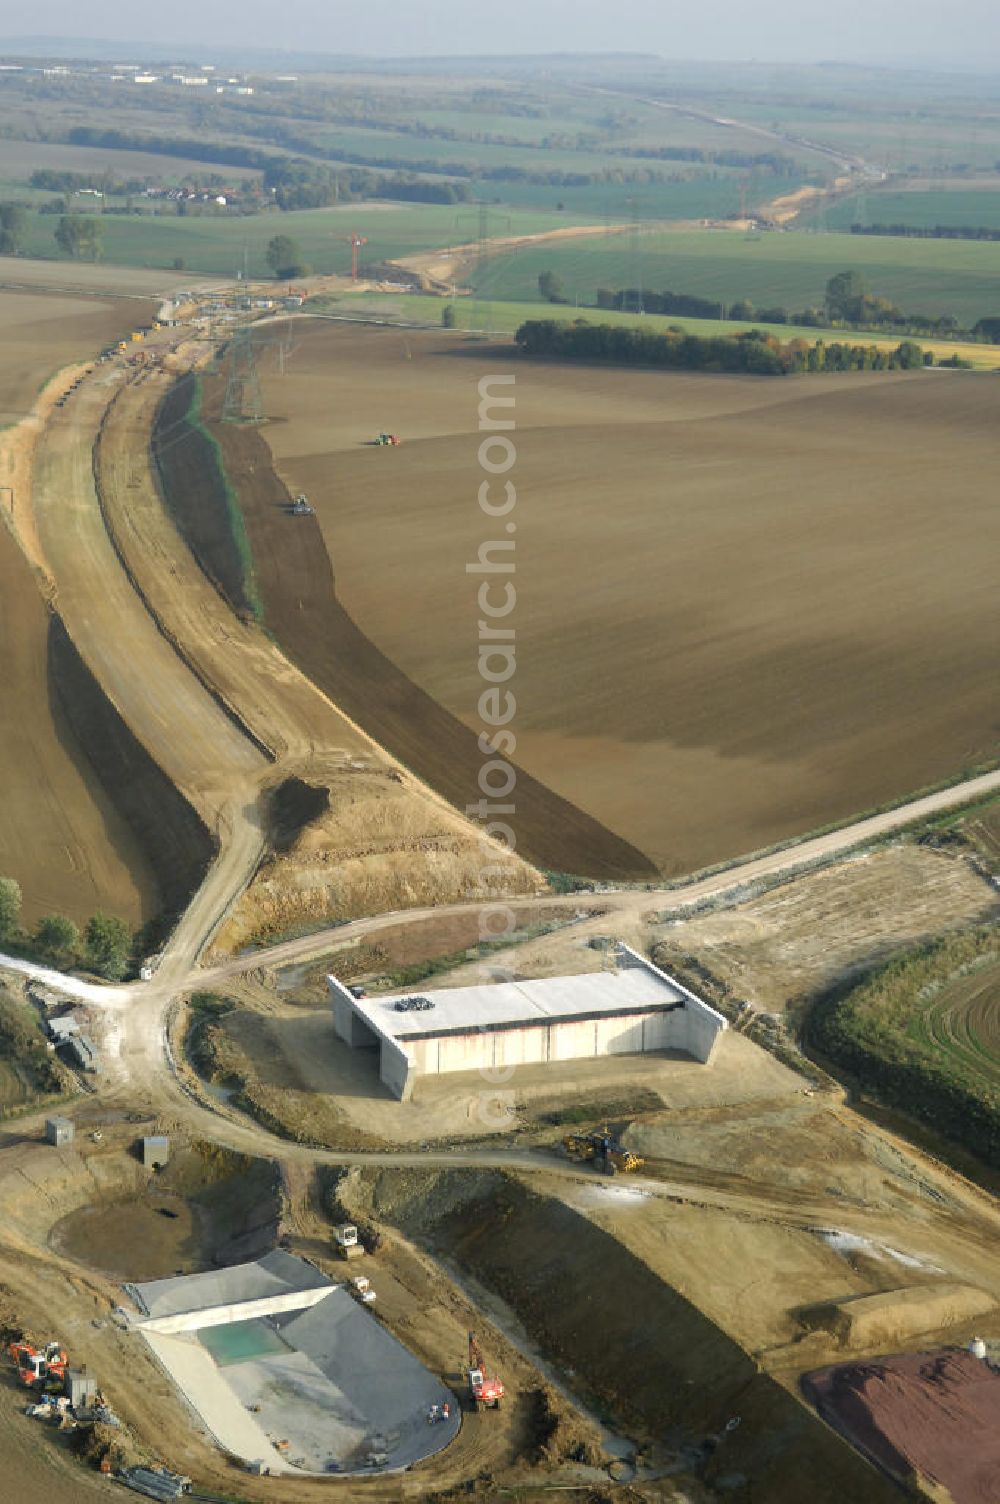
<point>690,199</point>
<point>922,1032</point>
<point>216,243</point>
<point>790,269</point>
<point>946,206</point>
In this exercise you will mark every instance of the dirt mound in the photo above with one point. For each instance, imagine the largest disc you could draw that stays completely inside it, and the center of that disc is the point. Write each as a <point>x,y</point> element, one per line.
<point>892,1316</point>
<point>935,1416</point>
<point>292,806</point>
<point>640,1351</point>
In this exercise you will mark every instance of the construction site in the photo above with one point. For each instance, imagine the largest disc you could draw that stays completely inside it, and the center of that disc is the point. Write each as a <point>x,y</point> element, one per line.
<point>327,1188</point>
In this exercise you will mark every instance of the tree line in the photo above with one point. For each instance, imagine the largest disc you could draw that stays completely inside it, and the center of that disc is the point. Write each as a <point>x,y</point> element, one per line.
<point>847,302</point>
<point>105,945</point>
<point>752,352</point>
<point>405,171</point>
<point>930,232</point>
<point>775,163</point>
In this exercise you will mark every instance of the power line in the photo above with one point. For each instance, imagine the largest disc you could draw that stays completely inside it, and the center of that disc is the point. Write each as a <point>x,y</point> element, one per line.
<point>635,257</point>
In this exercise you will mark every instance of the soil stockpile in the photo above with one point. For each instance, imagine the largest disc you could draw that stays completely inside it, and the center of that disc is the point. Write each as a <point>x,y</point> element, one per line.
<point>745,608</point>
<point>932,1414</point>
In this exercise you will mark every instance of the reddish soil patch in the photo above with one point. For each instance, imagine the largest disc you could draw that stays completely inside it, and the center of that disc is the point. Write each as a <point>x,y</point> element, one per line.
<point>936,1414</point>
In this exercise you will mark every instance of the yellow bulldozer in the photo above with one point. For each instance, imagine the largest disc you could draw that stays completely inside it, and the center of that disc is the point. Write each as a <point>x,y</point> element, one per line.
<point>600,1150</point>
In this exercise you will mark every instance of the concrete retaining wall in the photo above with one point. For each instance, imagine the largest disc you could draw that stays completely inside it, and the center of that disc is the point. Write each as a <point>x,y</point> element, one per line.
<point>396,1069</point>
<point>690,1026</point>
<point>242,1310</point>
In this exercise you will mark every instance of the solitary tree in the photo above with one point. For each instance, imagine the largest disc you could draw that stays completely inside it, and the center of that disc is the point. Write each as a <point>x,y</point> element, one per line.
<point>551,288</point>
<point>845,295</point>
<point>109,944</point>
<point>284,258</point>
<point>10,907</point>
<point>13,225</point>
<point>79,236</point>
<point>57,936</point>
<point>448,316</point>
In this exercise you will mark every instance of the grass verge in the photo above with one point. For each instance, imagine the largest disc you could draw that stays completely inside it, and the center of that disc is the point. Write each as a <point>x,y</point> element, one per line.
<point>241,543</point>
<point>917,1033</point>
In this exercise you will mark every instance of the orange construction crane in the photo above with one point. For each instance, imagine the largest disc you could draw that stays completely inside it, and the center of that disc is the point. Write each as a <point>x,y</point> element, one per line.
<point>486,1389</point>
<point>356,241</point>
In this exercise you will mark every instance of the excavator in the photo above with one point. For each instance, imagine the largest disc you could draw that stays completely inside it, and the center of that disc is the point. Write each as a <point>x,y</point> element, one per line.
<point>600,1150</point>
<point>36,1366</point>
<point>486,1389</point>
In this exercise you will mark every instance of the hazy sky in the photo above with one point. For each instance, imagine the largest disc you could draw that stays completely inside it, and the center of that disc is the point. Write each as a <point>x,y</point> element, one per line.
<point>878,31</point>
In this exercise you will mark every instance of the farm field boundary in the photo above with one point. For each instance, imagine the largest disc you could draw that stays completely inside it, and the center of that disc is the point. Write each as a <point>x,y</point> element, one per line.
<point>506,318</point>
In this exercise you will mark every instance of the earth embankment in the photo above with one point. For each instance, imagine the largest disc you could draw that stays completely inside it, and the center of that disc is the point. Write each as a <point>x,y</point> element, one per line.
<point>186,456</point>
<point>175,841</point>
<point>63,834</point>
<point>377,839</point>
<point>643,1353</point>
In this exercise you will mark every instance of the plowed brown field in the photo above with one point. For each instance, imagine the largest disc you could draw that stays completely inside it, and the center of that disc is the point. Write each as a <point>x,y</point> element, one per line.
<point>746,608</point>
<point>43,331</point>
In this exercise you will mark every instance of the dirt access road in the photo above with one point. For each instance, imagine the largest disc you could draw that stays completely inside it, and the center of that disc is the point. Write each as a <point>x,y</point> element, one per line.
<point>741,874</point>
<point>438,269</point>
<point>145,1064</point>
